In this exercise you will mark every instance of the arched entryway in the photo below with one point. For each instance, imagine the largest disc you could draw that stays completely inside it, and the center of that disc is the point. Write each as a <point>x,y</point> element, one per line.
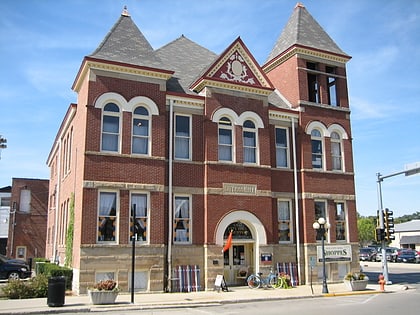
<point>248,233</point>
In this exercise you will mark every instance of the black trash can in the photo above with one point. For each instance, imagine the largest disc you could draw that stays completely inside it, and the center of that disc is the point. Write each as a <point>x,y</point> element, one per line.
<point>56,291</point>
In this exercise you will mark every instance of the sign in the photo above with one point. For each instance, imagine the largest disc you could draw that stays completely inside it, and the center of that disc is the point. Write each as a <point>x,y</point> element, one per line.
<point>266,258</point>
<point>334,253</point>
<point>220,283</point>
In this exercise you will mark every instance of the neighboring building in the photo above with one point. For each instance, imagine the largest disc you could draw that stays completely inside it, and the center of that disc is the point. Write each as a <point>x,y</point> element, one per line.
<point>407,235</point>
<point>198,145</point>
<point>28,218</point>
<point>5,193</point>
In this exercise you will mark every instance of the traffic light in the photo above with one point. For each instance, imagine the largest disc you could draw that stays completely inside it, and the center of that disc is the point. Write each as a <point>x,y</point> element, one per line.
<point>389,225</point>
<point>3,142</point>
<point>379,234</point>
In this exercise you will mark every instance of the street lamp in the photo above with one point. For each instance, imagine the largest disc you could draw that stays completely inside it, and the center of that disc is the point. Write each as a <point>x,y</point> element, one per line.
<point>322,227</point>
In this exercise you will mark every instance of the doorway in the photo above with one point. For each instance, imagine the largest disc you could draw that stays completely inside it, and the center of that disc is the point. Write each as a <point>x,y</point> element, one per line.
<point>237,263</point>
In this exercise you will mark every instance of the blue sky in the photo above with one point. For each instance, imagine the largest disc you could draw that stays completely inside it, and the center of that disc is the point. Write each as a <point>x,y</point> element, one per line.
<point>43,42</point>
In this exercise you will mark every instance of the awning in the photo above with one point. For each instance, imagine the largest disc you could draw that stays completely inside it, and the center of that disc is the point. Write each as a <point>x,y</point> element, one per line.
<point>410,239</point>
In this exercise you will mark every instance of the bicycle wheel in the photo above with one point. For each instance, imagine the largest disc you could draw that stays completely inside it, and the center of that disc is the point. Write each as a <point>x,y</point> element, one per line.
<point>253,281</point>
<point>272,282</point>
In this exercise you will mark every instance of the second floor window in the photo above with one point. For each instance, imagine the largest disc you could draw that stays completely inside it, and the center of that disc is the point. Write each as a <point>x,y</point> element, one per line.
<point>140,137</point>
<point>182,137</point>
<point>225,140</point>
<point>110,127</point>
<point>316,141</point>
<point>250,142</point>
<point>281,148</point>
<point>336,152</point>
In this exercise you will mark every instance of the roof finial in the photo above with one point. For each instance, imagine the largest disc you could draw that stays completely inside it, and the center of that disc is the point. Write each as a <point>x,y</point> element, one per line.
<point>125,11</point>
<point>299,5</point>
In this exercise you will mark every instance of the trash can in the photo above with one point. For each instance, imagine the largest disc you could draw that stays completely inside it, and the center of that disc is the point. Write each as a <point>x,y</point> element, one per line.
<point>56,291</point>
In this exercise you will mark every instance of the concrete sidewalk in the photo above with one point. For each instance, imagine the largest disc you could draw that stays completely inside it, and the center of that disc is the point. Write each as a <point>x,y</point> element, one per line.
<point>79,304</point>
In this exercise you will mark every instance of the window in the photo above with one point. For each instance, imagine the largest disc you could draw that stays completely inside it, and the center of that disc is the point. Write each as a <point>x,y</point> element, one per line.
<point>250,142</point>
<point>336,152</point>
<point>139,205</point>
<point>320,212</point>
<point>284,220</point>
<point>110,127</point>
<point>225,140</point>
<point>5,202</point>
<point>313,86</point>
<point>316,141</point>
<point>107,216</point>
<point>182,137</point>
<point>332,87</point>
<point>182,219</point>
<point>340,222</point>
<point>282,150</point>
<point>25,200</point>
<point>140,137</point>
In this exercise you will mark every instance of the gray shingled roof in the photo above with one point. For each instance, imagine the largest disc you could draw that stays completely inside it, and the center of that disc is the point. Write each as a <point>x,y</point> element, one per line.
<point>187,59</point>
<point>409,226</point>
<point>303,29</point>
<point>125,43</point>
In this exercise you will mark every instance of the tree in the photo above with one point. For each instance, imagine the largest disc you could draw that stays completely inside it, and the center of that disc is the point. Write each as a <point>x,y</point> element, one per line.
<point>366,230</point>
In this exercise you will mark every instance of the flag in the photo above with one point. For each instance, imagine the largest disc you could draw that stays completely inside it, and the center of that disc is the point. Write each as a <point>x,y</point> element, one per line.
<point>228,242</point>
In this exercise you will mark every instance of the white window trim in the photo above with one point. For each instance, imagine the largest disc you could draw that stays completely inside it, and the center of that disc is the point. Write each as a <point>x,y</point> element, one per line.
<point>149,137</point>
<point>139,192</point>
<point>117,216</point>
<point>287,148</point>
<point>231,128</point>
<point>190,218</point>
<point>119,127</point>
<point>190,138</point>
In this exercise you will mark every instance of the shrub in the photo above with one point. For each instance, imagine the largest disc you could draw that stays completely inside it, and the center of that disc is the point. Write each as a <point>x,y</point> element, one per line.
<point>36,287</point>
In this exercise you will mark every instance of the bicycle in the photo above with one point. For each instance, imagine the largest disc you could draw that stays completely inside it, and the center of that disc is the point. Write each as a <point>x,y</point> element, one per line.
<point>256,281</point>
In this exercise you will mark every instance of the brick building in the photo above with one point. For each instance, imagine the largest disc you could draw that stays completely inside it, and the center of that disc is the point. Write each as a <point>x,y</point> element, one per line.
<point>197,145</point>
<point>27,223</point>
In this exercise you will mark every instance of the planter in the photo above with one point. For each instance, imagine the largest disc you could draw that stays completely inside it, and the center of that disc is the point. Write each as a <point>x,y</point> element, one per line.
<point>356,285</point>
<point>102,297</point>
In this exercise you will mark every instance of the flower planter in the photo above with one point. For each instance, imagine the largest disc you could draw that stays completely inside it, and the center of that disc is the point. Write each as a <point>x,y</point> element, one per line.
<point>356,285</point>
<point>102,297</point>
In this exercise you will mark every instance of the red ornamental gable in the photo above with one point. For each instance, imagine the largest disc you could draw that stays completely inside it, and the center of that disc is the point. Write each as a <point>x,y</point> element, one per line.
<point>236,70</point>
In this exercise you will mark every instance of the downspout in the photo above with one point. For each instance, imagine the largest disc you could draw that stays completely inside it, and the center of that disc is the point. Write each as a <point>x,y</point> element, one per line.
<point>298,258</point>
<point>170,214</point>
<point>57,203</point>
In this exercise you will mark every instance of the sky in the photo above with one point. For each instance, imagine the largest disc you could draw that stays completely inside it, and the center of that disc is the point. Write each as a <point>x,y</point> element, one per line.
<point>43,42</point>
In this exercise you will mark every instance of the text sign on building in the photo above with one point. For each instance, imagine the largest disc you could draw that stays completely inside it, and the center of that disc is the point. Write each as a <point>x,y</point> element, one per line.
<point>239,189</point>
<point>334,253</point>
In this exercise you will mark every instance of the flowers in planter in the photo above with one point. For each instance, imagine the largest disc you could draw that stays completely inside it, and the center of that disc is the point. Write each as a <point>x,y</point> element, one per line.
<point>354,276</point>
<point>106,285</point>
<point>284,281</point>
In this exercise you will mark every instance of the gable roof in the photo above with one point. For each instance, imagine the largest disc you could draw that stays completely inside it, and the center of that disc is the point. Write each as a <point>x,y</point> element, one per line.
<point>235,69</point>
<point>303,30</point>
<point>126,43</point>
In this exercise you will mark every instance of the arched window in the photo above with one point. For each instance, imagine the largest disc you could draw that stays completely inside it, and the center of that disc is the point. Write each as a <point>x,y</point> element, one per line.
<point>336,155</point>
<point>141,131</point>
<point>225,140</point>
<point>250,142</point>
<point>316,141</point>
<point>110,127</point>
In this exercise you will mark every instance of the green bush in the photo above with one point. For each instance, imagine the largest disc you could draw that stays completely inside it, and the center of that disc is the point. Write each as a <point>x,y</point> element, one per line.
<point>36,287</point>
<point>53,270</point>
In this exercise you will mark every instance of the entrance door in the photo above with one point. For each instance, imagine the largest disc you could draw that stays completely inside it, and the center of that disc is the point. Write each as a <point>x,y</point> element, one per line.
<point>237,261</point>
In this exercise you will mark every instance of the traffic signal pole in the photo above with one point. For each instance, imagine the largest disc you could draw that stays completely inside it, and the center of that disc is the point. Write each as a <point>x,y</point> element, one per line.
<point>409,170</point>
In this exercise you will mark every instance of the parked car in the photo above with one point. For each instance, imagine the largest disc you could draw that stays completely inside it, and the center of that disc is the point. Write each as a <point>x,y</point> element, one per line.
<point>407,255</point>
<point>367,254</point>
<point>13,268</point>
<point>418,257</point>
<point>391,254</point>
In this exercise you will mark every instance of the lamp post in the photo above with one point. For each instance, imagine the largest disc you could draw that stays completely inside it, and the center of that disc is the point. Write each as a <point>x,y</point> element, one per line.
<point>321,226</point>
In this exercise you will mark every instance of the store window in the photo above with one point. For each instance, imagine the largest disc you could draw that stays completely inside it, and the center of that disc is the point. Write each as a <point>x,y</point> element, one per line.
<point>139,206</point>
<point>284,220</point>
<point>107,217</point>
<point>182,219</point>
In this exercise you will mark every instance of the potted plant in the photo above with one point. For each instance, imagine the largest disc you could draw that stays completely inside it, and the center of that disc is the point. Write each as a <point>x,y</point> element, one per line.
<point>356,281</point>
<point>104,292</point>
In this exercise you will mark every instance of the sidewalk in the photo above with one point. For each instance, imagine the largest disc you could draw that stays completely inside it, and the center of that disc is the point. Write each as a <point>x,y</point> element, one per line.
<point>73,304</point>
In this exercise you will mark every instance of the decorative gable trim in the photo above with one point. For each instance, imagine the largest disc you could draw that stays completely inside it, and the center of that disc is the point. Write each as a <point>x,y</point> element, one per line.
<point>235,69</point>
